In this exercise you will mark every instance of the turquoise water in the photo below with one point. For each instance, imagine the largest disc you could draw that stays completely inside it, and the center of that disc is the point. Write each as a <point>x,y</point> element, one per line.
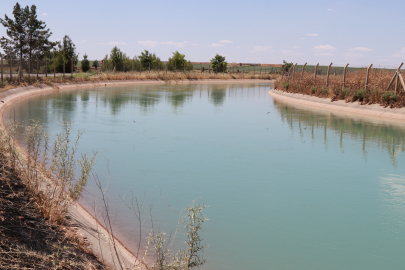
<point>287,187</point>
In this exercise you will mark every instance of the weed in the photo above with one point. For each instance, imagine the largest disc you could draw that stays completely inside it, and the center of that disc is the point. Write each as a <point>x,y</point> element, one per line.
<point>386,96</point>
<point>345,92</point>
<point>361,93</point>
<point>313,89</point>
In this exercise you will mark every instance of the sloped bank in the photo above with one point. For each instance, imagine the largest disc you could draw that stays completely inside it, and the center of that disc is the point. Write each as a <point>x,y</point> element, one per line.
<point>373,110</point>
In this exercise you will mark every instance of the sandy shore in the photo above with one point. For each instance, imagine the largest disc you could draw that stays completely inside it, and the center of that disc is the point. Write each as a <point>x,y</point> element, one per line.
<point>352,108</point>
<point>85,224</point>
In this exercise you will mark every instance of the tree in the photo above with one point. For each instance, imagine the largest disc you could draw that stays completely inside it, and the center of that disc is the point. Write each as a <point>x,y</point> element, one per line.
<point>66,51</point>
<point>95,64</point>
<point>286,65</point>
<point>178,62</point>
<point>38,36</point>
<point>85,64</point>
<point>118,60</point>
<point>16,32</point>
<point>218,63</point>
<point>147,59</point>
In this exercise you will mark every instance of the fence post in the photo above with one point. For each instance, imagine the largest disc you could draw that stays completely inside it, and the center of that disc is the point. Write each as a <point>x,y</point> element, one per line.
<point>293,71</point>
<point>315,70</point>
<point>282,72</point>
<point>254,70</point>
<point>1,56</point>
<point>71,67</point>
<point>368,71</point>
<point>37,68</point>
<point>302,72</point>
<point>327,75</point>
<point>344,76</point>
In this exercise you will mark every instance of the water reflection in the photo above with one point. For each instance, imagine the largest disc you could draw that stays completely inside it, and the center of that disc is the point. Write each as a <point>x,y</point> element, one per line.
<point>370,132</point>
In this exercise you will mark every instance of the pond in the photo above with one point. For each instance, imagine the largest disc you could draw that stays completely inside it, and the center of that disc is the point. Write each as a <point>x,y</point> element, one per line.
<point>287,187</point>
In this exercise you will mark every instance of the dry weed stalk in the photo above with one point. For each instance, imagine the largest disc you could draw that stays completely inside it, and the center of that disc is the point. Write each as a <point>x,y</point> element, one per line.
<point>54,188</point>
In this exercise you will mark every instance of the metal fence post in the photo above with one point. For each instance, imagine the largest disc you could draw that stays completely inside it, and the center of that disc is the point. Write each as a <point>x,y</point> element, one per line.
<point>344,76</point>
<point>315,70</point>
<point>368,70</point>
<point>327,75</point>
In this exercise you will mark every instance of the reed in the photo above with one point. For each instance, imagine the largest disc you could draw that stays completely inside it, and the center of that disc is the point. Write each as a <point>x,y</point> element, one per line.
<point>354,89</point>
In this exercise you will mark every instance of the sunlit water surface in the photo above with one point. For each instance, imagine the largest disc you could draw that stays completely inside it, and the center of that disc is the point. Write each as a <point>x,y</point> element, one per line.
<point>287,188</point>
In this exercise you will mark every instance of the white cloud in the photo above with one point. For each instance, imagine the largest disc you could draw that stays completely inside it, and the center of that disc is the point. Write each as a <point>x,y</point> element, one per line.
<point>361,49</point>
<point>313,35</point>
<point>290,52</point>
<point>216,45</point>
<point>329,9</point>
<point>148,43</point>
<point>354,54</point>
<point>114,43</point>
<point>179,44</point>
<point>225,41</point>
<point>261,48</point>
<point>44,14</point>
<point>324,48</point>
<point>400,54</point>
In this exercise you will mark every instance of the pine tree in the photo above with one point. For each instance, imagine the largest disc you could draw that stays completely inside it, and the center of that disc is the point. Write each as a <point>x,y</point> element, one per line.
<point>85,64</point>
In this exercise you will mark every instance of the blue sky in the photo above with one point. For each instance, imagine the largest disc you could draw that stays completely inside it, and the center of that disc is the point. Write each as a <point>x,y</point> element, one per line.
<point>256,31</point>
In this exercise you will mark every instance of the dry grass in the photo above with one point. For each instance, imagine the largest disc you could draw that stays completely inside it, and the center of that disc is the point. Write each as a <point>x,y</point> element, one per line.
<point>354,89</point>
<point>153,75</point>
<point>27,239</point>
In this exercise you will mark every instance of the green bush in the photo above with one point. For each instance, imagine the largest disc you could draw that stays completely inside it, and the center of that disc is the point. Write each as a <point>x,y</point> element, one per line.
<point>386,96</point>
<point>345,92</point>
<point>394,96</point>
<point>85,63</point>
<point>325,90</point>
<point>313,89</point>
<point>361,93</point>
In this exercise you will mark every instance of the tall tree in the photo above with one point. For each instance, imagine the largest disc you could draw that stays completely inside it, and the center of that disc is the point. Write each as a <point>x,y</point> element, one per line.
<point>151,59</point>
<point>85,63</point>
<point>37,36</point>
<point>16,32</point>
<point>218,63</point>
<point>179,62</point>
<point>66,51</point>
